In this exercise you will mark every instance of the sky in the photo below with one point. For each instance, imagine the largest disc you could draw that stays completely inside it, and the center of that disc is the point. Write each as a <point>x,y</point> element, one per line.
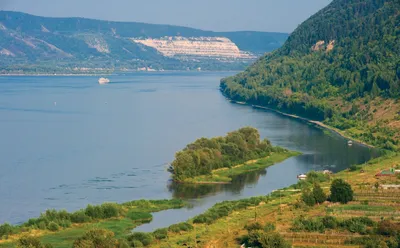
<point>215,15</point>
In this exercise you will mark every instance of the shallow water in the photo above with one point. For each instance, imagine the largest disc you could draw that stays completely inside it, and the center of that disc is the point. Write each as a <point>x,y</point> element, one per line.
<point>67,142</point>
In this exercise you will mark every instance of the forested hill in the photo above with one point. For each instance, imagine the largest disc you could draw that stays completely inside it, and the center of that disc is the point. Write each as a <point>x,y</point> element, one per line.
<point>342,65</point>
<point>28,41</point>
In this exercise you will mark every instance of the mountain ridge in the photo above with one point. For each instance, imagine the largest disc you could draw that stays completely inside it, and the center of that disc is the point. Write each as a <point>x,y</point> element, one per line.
<point>29,40</point>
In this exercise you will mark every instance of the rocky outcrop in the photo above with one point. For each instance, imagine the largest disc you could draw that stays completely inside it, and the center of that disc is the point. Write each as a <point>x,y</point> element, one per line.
<point>196,47</point>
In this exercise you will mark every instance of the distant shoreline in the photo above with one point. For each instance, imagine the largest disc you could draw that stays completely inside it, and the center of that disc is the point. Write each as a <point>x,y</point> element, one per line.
<point>100,74</point>
<point>316,123</point>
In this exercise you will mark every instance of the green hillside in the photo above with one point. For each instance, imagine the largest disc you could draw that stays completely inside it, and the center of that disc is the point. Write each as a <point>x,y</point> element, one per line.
<point>341,66</point>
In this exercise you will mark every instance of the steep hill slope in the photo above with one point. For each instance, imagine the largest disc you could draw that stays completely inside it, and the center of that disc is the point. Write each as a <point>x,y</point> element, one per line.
<point>27,40</point>
<point>342,66</point>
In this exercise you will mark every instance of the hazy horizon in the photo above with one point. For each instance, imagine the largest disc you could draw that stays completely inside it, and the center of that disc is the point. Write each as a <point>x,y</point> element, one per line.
<point>233,15</point>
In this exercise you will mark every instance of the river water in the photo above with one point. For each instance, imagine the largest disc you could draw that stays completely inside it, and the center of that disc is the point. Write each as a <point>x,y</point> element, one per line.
<point>66,142</point>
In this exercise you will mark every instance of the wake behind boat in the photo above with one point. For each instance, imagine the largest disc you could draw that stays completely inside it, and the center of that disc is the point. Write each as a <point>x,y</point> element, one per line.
<point>104,80</point>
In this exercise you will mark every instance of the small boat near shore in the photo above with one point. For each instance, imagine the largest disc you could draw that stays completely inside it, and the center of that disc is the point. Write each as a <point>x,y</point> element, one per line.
<point>104,80</point>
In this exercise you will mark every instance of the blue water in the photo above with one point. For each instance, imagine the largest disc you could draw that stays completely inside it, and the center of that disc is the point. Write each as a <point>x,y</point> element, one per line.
<point>66,142</point>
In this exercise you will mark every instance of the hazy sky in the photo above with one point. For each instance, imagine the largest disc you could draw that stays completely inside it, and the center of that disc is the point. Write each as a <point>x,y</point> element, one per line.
<point>217,15</point>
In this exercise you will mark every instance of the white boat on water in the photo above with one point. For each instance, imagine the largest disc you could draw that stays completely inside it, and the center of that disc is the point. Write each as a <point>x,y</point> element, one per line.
<point>104,80</point>
<point>350,142</point>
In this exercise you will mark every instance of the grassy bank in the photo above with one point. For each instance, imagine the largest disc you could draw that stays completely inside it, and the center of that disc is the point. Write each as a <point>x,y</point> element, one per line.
<point>221,225</point>
<point>225,175</point>
<point>125,217</point>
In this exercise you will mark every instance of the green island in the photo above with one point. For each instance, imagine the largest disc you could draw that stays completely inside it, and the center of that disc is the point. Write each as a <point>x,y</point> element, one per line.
<point>218,160</point>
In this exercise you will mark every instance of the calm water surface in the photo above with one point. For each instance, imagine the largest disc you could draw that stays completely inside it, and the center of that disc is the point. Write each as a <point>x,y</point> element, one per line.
<point>67,142</point>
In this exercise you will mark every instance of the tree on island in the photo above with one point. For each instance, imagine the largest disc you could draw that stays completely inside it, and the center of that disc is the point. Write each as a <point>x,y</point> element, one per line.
<point>205,155</point>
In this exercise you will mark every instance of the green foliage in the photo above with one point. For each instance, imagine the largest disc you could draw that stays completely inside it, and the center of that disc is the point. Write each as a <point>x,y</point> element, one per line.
<point>180,227</point>
<point>265,240</point>
<point>31,242</point>
<point>161,233</point>
<point>361,64</point>
<point>141,216</point>
<point>319,194</point>
<point>224,208</point>
<point>308,197</point>
<point>253,227</point>
<point>6,229</point>
<point>96,238</point>
<point>138,238</point>
<point>355,225</point>
<point>341,192</point>
<point>388,228</point>
<point>53,226</point>
<point>269,227</point>
<point>205,155</point>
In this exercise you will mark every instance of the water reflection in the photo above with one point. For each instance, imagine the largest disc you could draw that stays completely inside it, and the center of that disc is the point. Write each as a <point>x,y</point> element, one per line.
<point>194,191</point>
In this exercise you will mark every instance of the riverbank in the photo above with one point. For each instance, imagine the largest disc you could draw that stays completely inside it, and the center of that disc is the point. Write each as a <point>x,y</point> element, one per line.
<point>225,175</point>
<point>61,228</point>
<point>283,208</point>
<point>316,123</point>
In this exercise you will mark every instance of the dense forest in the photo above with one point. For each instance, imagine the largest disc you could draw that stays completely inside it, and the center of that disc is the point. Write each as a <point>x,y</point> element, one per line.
<point>205,155</point>
<point>334,67</point>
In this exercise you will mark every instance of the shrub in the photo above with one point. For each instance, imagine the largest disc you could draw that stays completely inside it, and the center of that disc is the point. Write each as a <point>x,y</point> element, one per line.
<point>161,233</point>
<point>309,225</point>
<point>318,194</point>
<point>267,240</point>
<point>110,210</point>
<point>388,228</point>
<point>330,222</point>
<point>143,216</point>
<point>122,243</point>
<point>176,228</point>
<point>96,238</point>
<point>53,226</point>
<point>80,217</point>
<point>138,238</point>
<point>136,243</point>
<point>308,197</point>
<point>269,227</point>
<point>6,229</point>
<point>341,191</point>
<point>353,167</point>
<point>31,242</point>
<point>253,227</point>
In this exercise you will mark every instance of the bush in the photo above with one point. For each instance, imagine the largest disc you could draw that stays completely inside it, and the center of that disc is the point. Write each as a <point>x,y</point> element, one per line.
<point>269,227</point>
<point>142,216</point>
<point>6,229</point>
<point>122,243</point>
<point>31,242</point>
<point>353,167</point>
<point>266,240</point>
<point>53,226</point>
<point>80,217</point>
<point>388,228</point>
<point>309,225</point>
<point>138,238</point>
<point>308,197</point>
<point>341,191</point>
<point>96,238</point>
<point>177,228</point>
<point>318,194</point>
<point>330,222</point>
<point>161,233</point>
<point>253,227</point>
